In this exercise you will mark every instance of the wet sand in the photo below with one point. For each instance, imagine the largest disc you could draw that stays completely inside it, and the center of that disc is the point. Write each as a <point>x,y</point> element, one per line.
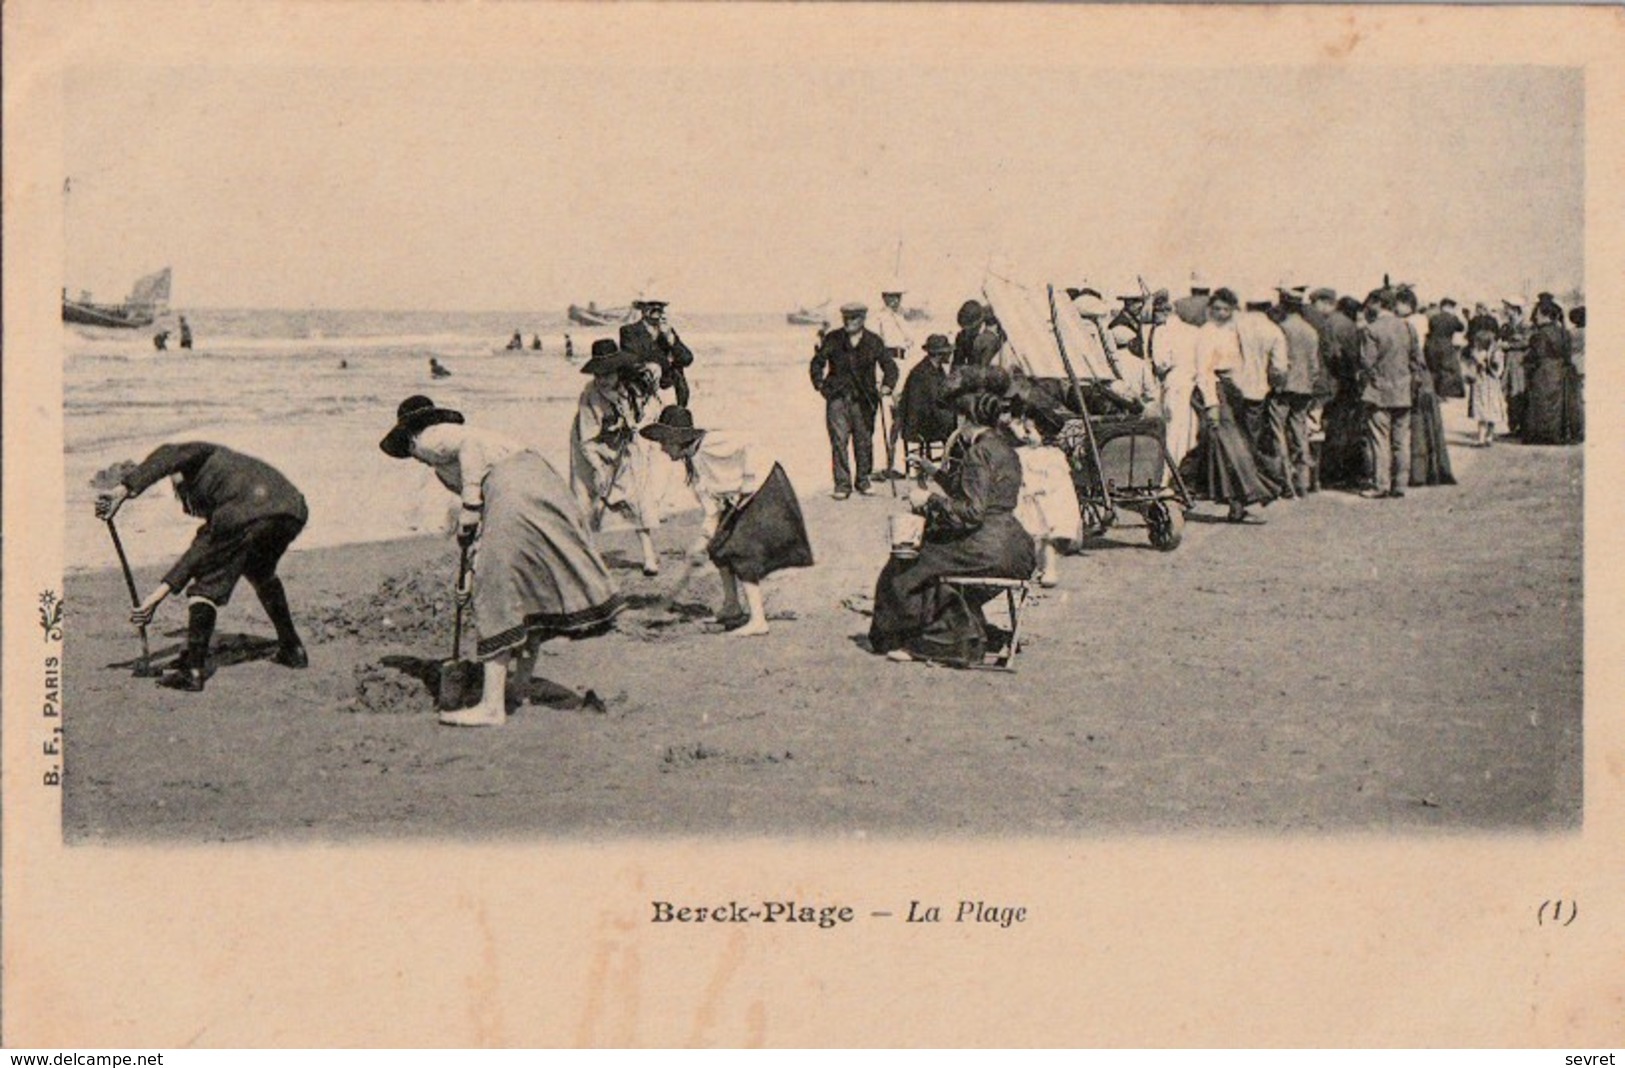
<point>1349,666</point>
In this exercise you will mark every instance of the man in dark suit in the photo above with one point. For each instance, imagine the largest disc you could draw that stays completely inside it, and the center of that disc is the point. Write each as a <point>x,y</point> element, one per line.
<point>653,340</point>
<point>251,514</point>
<point>923,417</point>
<point>844,372</point>
<point>978,340</point>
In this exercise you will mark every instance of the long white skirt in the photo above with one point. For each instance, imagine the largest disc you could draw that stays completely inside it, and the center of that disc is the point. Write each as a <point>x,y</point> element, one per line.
<point>1049,502</point>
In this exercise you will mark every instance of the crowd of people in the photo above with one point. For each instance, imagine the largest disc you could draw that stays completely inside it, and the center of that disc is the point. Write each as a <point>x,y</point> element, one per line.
<point>1259,400</point>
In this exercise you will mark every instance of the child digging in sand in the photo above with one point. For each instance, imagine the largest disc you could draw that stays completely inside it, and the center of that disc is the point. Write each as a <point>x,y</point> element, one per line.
<point>751,529</point>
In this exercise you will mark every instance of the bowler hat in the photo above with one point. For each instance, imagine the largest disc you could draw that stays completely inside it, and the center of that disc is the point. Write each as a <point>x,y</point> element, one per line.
<point>937,344</point>
<point>675,425</point>
<point>971,314</point>
<point>413,415</point>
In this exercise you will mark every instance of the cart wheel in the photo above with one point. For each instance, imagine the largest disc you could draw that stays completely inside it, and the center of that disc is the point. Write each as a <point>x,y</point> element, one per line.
<point>1166,525</point>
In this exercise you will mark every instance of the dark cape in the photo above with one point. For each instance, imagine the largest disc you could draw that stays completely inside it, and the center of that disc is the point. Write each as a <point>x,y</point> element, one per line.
<point>764,534</point>
<point>973,532</point>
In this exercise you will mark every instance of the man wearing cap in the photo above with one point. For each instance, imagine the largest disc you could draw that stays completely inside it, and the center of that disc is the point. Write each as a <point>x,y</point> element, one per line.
<point>1292,392</point>
<point>977,342</point>
<point>251,513</point>
<point>1127,327</point>
<point>890,325</point>
<point>924,418</point>
<point>897,340</point>
<point>653,340</point>
<point>1264,360</point>
<point>1342,453</point>
<point>844,372</point>
<point>1389,356</point>
<point>1442,351</point>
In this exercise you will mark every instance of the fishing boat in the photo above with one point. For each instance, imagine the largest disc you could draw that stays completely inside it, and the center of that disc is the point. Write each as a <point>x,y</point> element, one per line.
<point>148,299</point>
<point>805,316</point>
<point>593,315</point>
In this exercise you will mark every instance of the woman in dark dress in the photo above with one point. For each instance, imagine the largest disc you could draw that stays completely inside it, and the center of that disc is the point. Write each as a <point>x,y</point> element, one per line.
<point>970,529</point>
<point>1224,467</point>
<point>1552,403</point>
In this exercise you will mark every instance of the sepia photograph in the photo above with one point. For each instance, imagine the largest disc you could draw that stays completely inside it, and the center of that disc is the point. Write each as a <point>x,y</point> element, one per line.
<point>669,428</point>
<point>750,428</point>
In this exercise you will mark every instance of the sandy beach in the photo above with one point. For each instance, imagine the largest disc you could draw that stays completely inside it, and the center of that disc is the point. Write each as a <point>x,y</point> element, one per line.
<point>1347,667</point>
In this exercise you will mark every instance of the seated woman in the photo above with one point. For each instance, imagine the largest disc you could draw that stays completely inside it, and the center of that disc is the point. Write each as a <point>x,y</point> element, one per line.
<point>1049,500</point>
<point>970,529</point>
<point>535,573</point>
<point>752,527</point>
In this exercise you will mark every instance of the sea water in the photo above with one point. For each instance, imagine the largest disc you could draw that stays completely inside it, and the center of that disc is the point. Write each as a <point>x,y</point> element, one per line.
<point>312,392</point>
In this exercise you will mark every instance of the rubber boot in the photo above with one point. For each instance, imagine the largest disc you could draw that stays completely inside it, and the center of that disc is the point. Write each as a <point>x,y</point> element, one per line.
<point>274,599</point>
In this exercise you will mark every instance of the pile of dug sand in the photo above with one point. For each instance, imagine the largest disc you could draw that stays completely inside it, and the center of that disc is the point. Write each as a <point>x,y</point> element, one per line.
<point>414,607</point>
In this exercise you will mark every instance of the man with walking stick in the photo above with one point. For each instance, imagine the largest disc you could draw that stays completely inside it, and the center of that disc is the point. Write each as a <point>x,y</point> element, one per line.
<point>251,513</point>
<point>844,372</point>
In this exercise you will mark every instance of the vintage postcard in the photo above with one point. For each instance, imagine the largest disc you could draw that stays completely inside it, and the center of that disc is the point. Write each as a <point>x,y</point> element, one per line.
<point>662,524</point>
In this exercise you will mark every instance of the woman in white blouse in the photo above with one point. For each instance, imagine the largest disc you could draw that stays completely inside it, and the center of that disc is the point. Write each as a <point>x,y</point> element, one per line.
<point>536,574</point>
<point>752,527</point>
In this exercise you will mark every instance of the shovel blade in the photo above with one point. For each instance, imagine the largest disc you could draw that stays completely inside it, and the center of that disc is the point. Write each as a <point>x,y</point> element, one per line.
<point>459,685</point>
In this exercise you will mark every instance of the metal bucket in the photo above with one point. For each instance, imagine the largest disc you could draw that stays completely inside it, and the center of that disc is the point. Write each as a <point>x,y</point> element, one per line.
<point>907,532</point>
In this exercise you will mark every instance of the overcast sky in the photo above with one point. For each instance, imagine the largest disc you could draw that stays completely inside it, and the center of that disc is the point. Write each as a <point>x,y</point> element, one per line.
<point>754,189</point>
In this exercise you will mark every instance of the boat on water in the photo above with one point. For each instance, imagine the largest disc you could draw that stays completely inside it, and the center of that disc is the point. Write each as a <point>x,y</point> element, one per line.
<point>593,315</point>
<point>916,315</point>
<point>148,299</point>
<point>817,315</point>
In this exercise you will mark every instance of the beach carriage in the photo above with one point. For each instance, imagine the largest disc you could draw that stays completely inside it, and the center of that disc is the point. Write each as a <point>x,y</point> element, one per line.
<point>1118,450</point>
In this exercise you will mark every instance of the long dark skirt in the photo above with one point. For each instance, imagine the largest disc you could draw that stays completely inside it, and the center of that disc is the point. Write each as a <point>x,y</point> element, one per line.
<point>1225,465</point>
<point>1430,457</point>
<point>1552,412</point>
<point>1343,460</point>
<point>765,534</point>
<point>913,611</point>
<point>1444,365</point>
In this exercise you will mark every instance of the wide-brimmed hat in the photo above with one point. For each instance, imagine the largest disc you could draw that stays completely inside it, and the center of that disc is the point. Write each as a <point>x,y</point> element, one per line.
<point>608,358</point>
<point>937,344</point>
<point>412,416</point>
<point>675,426</point>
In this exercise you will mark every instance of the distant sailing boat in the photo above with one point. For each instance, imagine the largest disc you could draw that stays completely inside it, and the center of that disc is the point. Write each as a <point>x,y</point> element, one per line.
<point>817,315</point>
<point>148,299</point>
